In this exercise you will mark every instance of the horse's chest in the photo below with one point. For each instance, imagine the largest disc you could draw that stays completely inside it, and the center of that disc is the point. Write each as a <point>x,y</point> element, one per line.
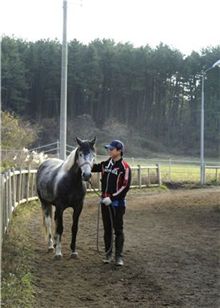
<point>70,193</point>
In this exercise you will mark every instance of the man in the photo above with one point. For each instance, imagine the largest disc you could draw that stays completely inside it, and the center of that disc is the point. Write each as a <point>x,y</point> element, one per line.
<point>116,178</point>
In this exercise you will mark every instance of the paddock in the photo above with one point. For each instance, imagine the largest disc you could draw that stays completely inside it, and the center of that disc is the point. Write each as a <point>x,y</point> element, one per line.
<point>172,254</point>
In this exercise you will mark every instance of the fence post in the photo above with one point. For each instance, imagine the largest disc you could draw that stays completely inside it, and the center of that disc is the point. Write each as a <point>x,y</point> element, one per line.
<point>169,169</point>
<point>8,198</point>
<point>99,181</point>
<point>13,188</point>
<point>32,184</point>
<point>148,176</point>
<point>6,202</point>
<point>19,186</point>
<point>58,148</point>
<point>204,174</point>
<point>159,174</point>
<point>9,194</point>
<point>139,176</point>
<point>27,184</point>
<point>2,223</point>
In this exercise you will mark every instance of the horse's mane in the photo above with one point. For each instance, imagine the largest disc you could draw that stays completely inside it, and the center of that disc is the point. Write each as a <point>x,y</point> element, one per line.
<point>70,160</point>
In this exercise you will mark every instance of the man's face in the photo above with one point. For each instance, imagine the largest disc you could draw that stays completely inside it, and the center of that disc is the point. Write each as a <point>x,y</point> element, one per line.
<point>114,153</point>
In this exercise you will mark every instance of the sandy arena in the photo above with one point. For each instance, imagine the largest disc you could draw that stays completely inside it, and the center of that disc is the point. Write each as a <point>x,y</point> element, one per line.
<point>172,255</point>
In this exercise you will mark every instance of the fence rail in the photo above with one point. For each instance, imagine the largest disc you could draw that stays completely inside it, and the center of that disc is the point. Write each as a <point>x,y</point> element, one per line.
<point>19,186</point>
<point>172,169</point>
<point>216,169</point>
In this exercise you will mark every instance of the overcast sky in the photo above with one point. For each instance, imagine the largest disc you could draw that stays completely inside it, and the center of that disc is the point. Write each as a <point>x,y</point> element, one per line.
<point>183,24</point>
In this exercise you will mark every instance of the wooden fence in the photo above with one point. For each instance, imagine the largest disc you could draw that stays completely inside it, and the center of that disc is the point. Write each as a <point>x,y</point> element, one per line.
<point>19,186</point>
<point>217,173</point>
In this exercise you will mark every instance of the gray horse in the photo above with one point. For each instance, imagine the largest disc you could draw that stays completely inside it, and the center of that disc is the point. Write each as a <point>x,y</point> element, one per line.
<point>62,184</point>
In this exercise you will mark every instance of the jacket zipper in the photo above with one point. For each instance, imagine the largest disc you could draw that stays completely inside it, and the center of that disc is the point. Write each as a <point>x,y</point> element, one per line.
<point>108,178</point>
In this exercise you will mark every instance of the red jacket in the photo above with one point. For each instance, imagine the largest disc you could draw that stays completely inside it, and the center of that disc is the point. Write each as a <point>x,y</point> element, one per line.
<point>116,178</point>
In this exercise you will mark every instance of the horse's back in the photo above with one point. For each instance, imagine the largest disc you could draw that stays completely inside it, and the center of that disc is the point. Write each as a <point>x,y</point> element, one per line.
<point>51,163</point>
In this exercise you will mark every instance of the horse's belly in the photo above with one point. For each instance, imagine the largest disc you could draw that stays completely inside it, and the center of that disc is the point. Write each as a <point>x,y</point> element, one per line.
<point>71,199</point>
<point>46,193</point>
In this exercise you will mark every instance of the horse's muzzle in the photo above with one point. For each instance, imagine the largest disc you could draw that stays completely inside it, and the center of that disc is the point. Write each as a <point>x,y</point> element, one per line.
<point>86,176</point>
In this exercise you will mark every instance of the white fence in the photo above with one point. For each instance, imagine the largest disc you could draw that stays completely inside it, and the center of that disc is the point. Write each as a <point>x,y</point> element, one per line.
<point>183,171</point>
<point>19,186</point>
<point>216,172</point>
<point>172,169</point>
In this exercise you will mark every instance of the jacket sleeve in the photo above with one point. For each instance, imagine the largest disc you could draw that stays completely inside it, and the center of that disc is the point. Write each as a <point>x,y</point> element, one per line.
<point>97,167</point>
<point>122,191</point>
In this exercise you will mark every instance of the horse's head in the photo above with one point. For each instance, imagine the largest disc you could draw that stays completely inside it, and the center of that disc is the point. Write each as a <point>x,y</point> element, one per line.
<point>86,157</point>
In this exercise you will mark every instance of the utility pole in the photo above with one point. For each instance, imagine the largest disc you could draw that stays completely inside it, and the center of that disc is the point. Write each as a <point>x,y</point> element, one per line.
<point>202,160</point>
<point>63,96</point>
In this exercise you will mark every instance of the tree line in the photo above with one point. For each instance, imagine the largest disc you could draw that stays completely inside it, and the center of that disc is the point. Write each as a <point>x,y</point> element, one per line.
<point>155,92</point>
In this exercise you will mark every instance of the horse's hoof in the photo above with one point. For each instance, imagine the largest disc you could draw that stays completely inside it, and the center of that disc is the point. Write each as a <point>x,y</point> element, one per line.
<point>50,249</point>
<point>74,255</point>
<point>57,257</point>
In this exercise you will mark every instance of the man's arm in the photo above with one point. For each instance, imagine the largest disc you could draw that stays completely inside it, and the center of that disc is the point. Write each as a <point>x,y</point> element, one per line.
<point>97,167</point>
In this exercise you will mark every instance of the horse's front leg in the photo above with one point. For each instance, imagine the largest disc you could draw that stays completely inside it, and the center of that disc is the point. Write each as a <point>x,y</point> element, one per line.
<point>58,232</point>
<point>76,214</point>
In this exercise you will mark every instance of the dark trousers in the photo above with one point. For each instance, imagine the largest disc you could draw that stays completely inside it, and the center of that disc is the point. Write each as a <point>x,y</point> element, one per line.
<point>117,216</point>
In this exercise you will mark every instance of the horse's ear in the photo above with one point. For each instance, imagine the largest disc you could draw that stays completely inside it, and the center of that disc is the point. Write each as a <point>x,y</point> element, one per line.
<point>79,141</point>
<point>92,142</point>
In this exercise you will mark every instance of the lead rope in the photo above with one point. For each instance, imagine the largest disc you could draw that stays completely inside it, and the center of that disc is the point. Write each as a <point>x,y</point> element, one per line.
<point>98,219</point>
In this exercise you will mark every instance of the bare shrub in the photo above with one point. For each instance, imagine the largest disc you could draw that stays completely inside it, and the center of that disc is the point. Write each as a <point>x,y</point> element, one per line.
<point>15,132</point>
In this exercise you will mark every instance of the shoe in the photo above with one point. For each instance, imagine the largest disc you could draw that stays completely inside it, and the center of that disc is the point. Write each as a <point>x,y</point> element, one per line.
<point>107,259</point>
<point>119,261</point>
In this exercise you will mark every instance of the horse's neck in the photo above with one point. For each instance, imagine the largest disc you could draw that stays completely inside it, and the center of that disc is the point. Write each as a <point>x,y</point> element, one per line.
<point>75,172</point>
<point>71,167</point>
<point>70,162</point>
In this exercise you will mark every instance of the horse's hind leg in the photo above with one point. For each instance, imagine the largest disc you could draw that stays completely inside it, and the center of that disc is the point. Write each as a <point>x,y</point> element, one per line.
<point>47,220</point>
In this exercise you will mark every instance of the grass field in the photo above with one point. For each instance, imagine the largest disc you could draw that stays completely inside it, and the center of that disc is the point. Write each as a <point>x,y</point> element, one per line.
<point>185,170</point>
<point>187,173</point>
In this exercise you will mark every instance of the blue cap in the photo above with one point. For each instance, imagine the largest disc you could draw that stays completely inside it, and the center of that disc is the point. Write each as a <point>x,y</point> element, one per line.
<point>115,144</point>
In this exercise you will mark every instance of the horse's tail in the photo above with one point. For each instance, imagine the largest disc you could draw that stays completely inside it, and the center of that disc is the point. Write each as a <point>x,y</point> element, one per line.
<point>47,217</point>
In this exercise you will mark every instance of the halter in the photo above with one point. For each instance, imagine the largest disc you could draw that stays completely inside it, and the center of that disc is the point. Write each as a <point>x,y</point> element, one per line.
<point>85,163</point>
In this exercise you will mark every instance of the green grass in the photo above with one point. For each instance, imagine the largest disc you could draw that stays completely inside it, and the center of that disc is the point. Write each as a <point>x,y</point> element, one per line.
<point>187,173</point>
<point>17,281</point>
<point>180,173</point>
<point>174,170</point>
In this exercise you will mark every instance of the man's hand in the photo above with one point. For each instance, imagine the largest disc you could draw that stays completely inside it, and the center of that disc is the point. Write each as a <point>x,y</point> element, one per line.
<point>106,201</point>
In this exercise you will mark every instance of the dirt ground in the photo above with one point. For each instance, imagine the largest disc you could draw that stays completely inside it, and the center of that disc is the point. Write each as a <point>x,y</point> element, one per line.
<point>172,255</point>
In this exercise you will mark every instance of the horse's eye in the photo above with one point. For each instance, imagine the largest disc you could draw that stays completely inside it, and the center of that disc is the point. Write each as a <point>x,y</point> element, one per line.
<point>80,154</point>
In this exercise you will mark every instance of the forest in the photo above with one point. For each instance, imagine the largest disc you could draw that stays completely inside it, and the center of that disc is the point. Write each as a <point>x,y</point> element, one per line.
<point>148,97</point>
